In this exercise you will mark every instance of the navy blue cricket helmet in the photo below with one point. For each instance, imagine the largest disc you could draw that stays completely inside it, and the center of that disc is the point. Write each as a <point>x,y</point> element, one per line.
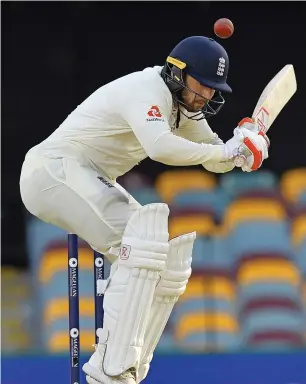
<point>205,60</point>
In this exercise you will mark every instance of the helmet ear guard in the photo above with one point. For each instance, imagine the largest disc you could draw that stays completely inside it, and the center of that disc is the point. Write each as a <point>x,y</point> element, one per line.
<point>177,74</point>
<point>174,74</point>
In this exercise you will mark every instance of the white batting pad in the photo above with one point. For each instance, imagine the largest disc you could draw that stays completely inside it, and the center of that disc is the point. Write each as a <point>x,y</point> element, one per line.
<point>129,294</point>
<point>172,285</point>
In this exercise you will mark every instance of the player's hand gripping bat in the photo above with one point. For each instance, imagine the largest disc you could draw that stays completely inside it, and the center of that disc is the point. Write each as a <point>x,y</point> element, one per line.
<point>272,100</point>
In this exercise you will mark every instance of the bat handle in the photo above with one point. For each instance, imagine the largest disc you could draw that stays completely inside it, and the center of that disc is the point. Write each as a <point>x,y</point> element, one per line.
<point>239,160</point>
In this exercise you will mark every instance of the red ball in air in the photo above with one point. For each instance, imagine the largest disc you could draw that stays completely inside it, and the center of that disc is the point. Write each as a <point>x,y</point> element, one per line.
<point>224,28</point>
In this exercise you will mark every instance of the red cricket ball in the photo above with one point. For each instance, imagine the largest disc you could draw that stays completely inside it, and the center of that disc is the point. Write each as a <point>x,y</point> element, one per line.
<point>224,28</point>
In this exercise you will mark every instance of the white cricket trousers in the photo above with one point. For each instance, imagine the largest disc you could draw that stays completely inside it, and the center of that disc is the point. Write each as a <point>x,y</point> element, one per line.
<point>77,199</point>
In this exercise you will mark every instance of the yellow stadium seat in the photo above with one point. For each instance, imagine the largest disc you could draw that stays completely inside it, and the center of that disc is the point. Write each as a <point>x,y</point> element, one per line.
<point>298,230</point>
<point>204,322</point>
<point>217,287</point>
<point>169,183</point>
<point>293,183</point>
<point>268,270</point>
<point>59,308</point>
<point>15,336</point>
<point>54,260</point>
<point>247,209</point>
<point>202,224</point>
<point>59,341</point>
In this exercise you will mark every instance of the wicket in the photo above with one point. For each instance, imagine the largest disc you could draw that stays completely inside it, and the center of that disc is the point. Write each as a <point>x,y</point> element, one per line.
<point>74,319</point>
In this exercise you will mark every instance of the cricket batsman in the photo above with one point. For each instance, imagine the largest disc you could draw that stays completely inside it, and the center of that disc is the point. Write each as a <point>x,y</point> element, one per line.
<point>69,180</point>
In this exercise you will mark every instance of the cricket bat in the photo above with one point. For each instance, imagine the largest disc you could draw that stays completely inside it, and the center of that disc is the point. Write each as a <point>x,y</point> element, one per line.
<point>272,100</point>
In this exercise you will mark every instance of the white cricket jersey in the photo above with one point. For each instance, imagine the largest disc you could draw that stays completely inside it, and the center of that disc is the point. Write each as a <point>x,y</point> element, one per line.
<point>125,121</point>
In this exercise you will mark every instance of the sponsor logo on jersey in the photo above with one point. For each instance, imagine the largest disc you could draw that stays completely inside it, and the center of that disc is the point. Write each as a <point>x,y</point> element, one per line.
<point>107,183</point>
<point>155,114</point>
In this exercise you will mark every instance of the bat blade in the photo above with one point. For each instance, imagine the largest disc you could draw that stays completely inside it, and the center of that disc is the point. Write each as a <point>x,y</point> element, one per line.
<point>275,96</point>
<point>271,101</point>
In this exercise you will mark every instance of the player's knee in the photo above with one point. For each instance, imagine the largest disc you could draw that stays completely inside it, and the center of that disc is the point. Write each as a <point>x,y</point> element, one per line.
<point>115,218</point>
<point>145,238</point>
<point>30,198</point>
<point>145,231</point>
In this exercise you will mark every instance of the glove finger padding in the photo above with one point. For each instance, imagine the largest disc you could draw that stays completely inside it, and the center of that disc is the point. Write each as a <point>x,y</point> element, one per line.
<point>255,148</point>
<point>249,124</point>
<point>248,141</point>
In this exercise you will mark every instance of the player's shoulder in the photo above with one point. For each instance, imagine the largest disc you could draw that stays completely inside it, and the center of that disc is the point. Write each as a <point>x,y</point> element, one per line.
<point>147,80</point>
<point>146,85</point>
<point>149,77</point>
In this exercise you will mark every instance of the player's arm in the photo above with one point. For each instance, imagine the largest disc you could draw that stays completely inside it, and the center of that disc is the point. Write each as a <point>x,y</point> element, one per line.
<point>254,145</point>
<point>154,134</point>
<point>147,112</point>
<point>201,132</point>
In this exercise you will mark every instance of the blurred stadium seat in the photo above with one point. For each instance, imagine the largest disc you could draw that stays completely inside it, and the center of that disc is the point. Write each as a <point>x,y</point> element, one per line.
<point>299,245</point>
<point>298,232</point>
<point>236,183</point>
<point>256,225</point>
<point>253,209</point>
<point>301,201</point>
<point>204,254</point>
<point>204,318</point>
<point>269,301</point>
<point>215,200</point>
<point>202,223</point>
<point>169,183</point>
<point>17,311</point>
<point>293,184</point>
<point>259,236</point>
